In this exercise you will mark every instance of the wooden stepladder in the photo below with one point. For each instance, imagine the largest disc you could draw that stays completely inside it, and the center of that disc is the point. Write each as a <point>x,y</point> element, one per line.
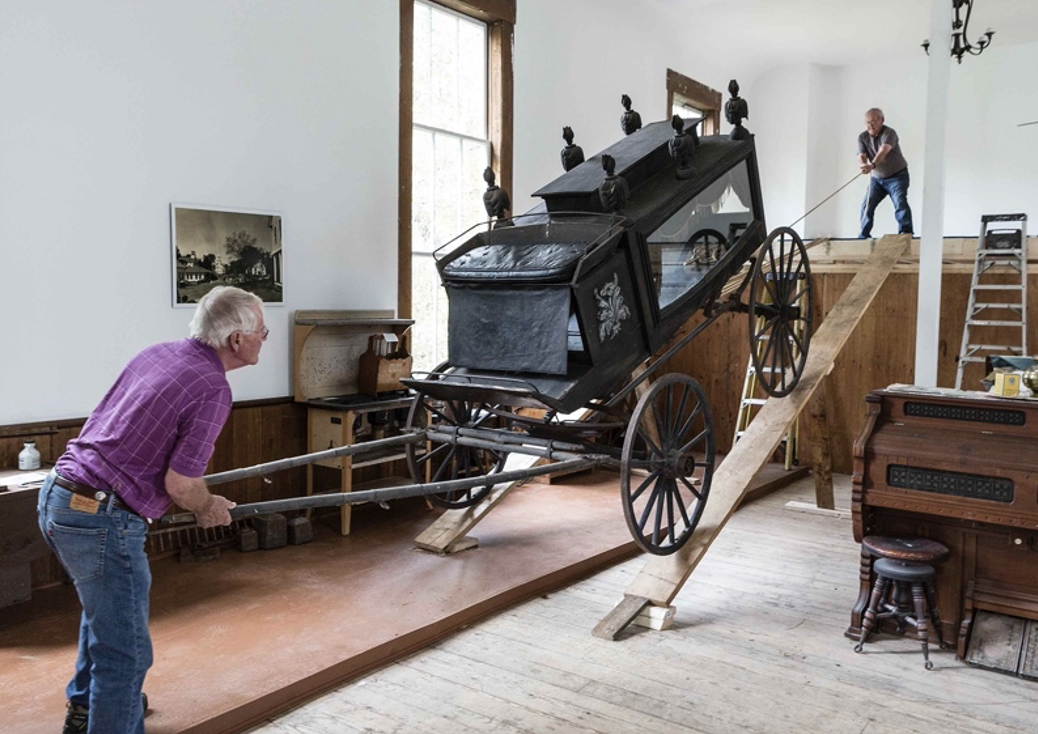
<point>997,307</point>
<point>751,401</point>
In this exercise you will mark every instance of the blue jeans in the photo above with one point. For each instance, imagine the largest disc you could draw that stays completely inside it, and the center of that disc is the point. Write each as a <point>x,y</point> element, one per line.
<point>897,187</point>
<point>104,556</point>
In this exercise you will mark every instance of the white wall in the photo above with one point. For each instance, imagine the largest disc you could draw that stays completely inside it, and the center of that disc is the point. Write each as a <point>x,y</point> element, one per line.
<point>778,102</point>
<point>574,60</point>
<point>823,148</point>
<point>991,162</point>
<point>112,110</point>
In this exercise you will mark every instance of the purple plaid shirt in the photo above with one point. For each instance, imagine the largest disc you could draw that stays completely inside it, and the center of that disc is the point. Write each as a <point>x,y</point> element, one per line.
<point>165,411</point>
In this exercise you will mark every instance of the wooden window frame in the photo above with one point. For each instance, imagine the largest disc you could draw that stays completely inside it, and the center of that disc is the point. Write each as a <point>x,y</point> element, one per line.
<point>499,15</point>
<point>700,96</point>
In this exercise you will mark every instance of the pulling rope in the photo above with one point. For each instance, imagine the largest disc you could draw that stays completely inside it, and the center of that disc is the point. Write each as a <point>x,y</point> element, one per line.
<point>829,197</point>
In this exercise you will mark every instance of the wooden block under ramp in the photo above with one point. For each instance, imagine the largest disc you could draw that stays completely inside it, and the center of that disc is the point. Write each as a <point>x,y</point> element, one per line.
<point>655,618</point>
<point>663,576</point>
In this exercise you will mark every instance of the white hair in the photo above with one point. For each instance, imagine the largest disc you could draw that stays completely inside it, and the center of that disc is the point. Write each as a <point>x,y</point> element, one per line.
<point>878,111</point>
<point>223,311</point>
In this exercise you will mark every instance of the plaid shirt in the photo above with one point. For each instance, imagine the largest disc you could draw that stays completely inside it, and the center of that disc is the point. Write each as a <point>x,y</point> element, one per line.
<point>165,411</point>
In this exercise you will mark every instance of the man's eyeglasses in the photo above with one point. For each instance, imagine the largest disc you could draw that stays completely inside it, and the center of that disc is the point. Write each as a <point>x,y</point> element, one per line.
<point>264,332</point>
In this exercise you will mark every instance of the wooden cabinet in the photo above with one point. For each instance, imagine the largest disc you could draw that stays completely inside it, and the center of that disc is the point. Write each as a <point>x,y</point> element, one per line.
<point>22,543</point>
<point>959,468</point>
<point>330,347</point>
<point>346,422</point>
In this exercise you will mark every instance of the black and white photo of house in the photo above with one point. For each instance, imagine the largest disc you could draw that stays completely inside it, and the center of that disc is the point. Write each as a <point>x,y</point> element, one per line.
<point>214,247</point>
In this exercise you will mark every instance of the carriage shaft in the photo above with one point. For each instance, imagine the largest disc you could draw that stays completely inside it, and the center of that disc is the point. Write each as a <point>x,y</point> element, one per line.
<point>449,437</point>
<point>507,437</point>
<point>294,461</point>
<point>338,499</point>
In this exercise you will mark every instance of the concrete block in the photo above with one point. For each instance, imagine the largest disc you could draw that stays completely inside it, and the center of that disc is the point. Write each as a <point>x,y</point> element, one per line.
<point>300,531</point>
<point>272,530</point>
<point>248,540</point>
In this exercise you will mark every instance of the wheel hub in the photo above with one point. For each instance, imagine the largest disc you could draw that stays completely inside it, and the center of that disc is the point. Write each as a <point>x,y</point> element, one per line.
<point>677,464</point>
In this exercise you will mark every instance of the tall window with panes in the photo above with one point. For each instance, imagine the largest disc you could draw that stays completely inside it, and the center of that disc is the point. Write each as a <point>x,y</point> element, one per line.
<point>451,149</point>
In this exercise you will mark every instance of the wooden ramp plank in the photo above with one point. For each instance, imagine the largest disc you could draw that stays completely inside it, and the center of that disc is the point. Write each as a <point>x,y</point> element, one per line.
<point>446,533</point>
<point>663,576</point>
<point>621,616</point>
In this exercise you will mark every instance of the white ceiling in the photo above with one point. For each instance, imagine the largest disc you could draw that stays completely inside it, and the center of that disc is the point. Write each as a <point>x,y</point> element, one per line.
<point>836,32</point>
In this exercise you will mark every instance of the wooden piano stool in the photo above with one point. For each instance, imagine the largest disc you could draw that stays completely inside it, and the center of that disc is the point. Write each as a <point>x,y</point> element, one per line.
<point>913,602</point>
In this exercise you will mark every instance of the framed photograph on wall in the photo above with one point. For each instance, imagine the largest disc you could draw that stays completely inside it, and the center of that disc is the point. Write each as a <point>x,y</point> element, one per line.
<point>214,247</point>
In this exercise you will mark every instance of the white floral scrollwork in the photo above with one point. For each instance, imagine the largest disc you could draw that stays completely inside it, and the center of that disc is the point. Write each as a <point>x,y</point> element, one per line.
<point>612,311</point>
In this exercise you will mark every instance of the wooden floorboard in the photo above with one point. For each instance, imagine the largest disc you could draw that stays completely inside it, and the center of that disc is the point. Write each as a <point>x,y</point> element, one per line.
<point>757,646</point>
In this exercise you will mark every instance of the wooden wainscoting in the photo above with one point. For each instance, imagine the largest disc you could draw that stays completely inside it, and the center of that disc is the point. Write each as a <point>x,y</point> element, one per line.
<point>257,431</point>
<point>880,352</point>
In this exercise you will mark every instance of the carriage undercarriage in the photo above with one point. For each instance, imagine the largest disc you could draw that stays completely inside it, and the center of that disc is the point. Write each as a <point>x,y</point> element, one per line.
<point>658,435</point>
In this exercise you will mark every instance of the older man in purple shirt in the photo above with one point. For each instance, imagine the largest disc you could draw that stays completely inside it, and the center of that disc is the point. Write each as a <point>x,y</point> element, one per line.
<point>144,448</point>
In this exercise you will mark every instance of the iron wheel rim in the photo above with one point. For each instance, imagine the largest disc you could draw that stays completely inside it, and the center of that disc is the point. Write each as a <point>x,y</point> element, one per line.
<point>780,312</point>
<point>450,460</point>
<point>666,477</point>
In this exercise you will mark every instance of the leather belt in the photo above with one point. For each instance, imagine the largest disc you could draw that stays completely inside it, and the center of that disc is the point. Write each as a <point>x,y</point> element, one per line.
<point>99,495</point>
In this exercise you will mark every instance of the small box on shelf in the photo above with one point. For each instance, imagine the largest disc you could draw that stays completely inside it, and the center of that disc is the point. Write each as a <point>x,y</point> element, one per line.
<point>383,365</point>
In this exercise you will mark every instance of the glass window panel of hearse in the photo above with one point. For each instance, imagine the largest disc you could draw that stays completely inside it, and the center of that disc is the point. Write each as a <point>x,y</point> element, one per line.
<point>451,149</point>
<point>694,240</point>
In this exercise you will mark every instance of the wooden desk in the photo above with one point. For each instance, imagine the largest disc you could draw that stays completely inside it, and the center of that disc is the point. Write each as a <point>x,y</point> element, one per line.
<point>20,538</point>
<point>335,422</point>
<point>962,469</point>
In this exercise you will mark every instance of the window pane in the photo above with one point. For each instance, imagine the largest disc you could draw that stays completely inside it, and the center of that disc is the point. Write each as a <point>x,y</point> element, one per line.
<point>444,72</point>
<point>422,61</point>
<point>475,159</point>
<point>690,243</point>
<point>447,176</point>
<point>450,94</point>
<point>429,310</point>
<point>472,56</point>
<point>422,191</point>
<point>450,71</point>
<point>684,110</point>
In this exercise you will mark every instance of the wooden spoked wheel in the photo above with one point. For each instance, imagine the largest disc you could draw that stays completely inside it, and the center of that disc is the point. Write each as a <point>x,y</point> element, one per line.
<point>780,311</point>
<point>667,464</point>
<point>445,461</point>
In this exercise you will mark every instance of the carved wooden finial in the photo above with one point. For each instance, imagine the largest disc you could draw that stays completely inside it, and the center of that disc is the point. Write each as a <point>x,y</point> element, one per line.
<point>630,121</point>
<point>735,111</point>
<point>495,200</point>
<point>572,155</point>
<point>613,191</point>
<point>681,148</point>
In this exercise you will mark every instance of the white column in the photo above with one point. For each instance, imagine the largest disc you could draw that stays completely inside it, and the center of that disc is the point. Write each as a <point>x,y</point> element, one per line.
<point>928,315</point>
